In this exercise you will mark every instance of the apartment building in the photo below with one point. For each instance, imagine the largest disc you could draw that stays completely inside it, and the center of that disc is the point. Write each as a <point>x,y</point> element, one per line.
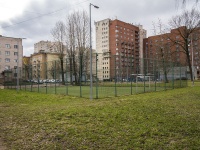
<point>165,47</point>
<point>118,45</point>
<point>45,47</point>
<point>11,51</point>
<point>43,65</point>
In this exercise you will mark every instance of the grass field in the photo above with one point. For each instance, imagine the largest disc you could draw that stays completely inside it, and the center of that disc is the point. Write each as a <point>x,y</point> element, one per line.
<point>159,120</point>
<point>104,89</point>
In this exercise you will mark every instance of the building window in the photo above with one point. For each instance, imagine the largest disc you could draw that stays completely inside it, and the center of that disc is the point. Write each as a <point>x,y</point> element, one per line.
<point>7,60</point>
<point>16,46</point>
<point>15,60</point>
<point>7,53</point>
<point>15,53</point>
<point>7,67</point>
<point>7,45</point>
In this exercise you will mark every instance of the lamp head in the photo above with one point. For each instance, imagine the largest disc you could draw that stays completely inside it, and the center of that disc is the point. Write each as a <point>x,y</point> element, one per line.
<point>96,6</point>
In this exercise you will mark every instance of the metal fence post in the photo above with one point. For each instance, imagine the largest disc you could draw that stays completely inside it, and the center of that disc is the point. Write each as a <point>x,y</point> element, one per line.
<point>66,79</point>
<point>131,72</point>
<point>97,76</point>
<point>144,77</point>
<point>136,87</point>
<point>15,76</point>
<point>46,66</point>
<point>172,75</point>
<point>31,77</point>
<point>38,78</point>
<point>55,76</point>
<point>180,76</point>
<point>20,83</point>
<point>80,74</point>
<point>25,79</point>
<point>115,77</point>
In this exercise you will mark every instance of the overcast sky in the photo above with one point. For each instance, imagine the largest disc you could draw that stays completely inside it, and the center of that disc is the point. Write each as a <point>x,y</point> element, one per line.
<point>19,18</point>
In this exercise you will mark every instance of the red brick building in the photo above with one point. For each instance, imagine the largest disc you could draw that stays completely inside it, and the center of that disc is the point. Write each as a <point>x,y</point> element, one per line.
<point>119,46</point>
<point>169,47</point>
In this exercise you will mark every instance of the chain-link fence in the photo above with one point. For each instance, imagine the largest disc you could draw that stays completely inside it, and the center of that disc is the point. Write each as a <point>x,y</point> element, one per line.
<point>111,76</point>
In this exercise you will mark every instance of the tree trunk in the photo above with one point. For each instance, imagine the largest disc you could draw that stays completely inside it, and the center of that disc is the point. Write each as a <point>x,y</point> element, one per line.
<point>70,65</point>
<point>190,66</point>
<point>166,79</point>
<point>62,71</point>
<point>74,67</point>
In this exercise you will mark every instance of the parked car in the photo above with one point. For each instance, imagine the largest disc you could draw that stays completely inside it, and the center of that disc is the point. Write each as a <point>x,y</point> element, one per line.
<point>52,80</point>
<point>57,80</point>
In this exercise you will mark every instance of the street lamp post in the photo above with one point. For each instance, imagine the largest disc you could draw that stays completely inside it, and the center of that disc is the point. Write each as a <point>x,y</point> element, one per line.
<point>91,90</point>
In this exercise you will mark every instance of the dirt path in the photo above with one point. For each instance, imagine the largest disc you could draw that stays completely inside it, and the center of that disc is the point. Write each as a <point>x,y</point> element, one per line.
<point>1,146</point>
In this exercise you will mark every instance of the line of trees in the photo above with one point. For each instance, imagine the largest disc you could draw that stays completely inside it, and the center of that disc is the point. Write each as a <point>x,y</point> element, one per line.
<point>72,40</point>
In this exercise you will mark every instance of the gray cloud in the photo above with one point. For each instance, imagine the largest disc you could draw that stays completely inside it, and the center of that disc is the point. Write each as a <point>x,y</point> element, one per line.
<point>36,29</point>
<point>132,11</point>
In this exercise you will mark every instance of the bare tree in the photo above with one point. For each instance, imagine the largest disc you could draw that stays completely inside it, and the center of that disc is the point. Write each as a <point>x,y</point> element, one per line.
<point>183,3</point>
<point>59,33</point>
<point>78,43</point>
<point>26,66</point>
<point>82,34</point>
<point>71,41</point>
<point>162,49</point>
<point>54,69</point>
<point>187,26</point>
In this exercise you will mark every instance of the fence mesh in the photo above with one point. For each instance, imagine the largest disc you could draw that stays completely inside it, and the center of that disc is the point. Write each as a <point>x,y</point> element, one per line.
<point>111,76</point>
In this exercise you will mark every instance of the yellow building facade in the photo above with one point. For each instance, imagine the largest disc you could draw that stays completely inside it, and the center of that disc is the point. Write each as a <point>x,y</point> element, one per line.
<point>43,65</point>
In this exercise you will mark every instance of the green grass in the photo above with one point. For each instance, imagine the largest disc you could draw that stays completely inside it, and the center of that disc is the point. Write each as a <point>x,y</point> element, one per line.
<point>104,89</point>
<point>160,120</point>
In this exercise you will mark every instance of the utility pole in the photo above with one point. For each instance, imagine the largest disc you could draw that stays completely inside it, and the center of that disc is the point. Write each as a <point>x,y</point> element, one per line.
<point>91,88</point>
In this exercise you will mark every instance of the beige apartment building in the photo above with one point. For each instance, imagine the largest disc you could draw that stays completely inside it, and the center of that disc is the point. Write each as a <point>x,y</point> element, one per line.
<point>42,64</point>
<point>11,51</point>
<point>46,47</point>
<point>46,53</point>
